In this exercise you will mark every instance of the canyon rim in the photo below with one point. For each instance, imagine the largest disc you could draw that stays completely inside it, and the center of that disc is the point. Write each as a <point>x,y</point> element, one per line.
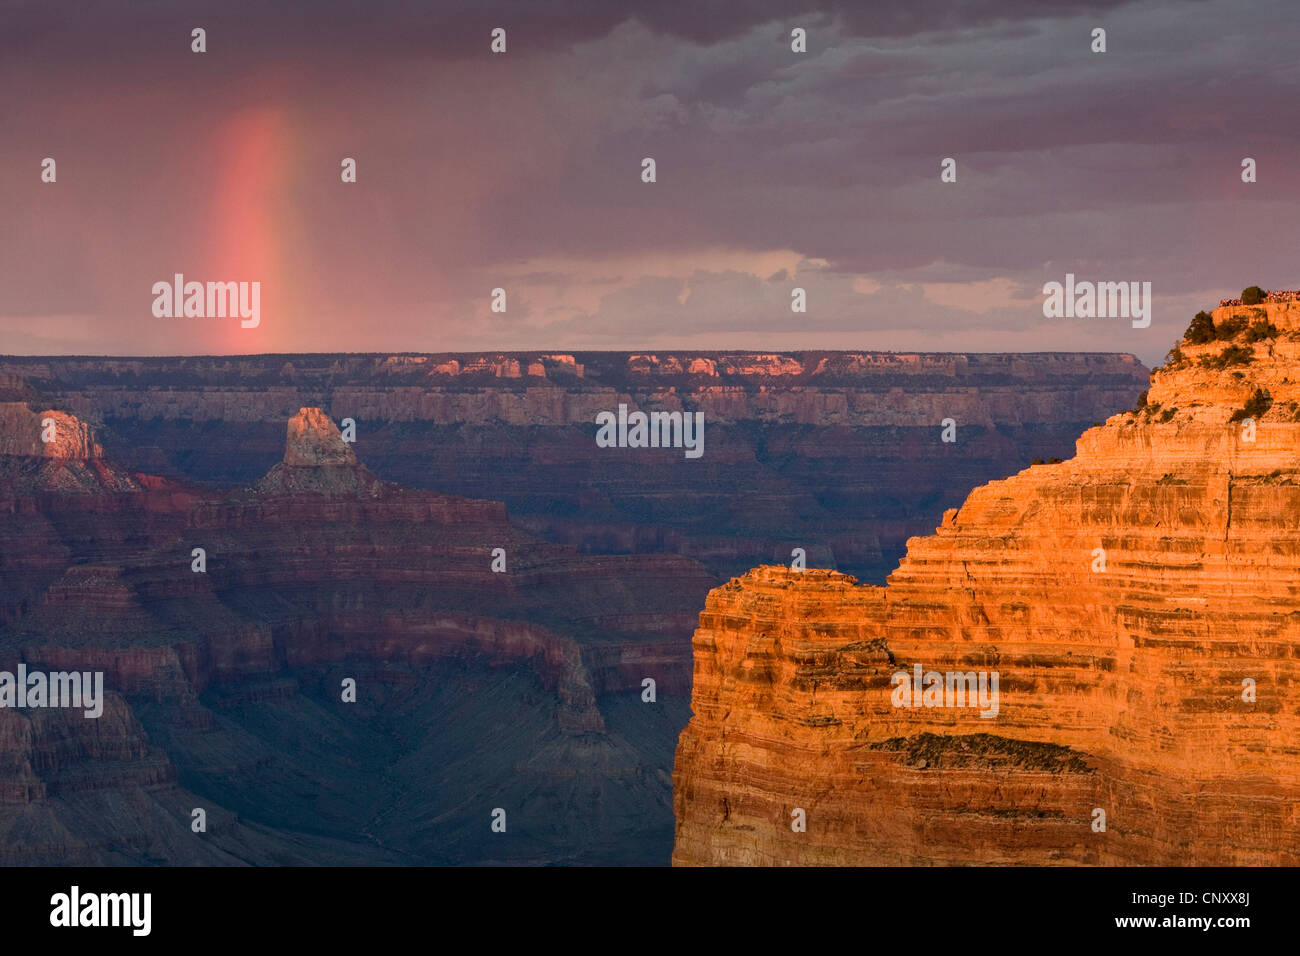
<point>1139,602</point>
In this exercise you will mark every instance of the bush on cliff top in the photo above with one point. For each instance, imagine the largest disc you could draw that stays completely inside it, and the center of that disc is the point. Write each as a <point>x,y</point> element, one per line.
<point>1201,330</point>
<point>1230,328</point>
<point>1252,295</point>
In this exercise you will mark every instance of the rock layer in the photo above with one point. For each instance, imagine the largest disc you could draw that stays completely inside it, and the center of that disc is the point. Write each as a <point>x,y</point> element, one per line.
<point>477,689</point>
<point>474,688</point>
<point>316,460</point>
<point>838,453</point>
<point>1140,604</point>
<point>53,451</point>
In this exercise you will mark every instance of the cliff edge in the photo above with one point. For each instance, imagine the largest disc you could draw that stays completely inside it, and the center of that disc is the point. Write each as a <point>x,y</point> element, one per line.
<point>53,451</point>
<point>1127,623</point>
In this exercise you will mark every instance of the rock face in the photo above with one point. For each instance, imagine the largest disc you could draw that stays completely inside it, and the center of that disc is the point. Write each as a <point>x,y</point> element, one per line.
<point>838,453</point>
<point>474,688</point>
<point>316,460</point>
<point>21,432</point>
<point>313,441</point>
<point>1140,605</point>
<point>53,450</point>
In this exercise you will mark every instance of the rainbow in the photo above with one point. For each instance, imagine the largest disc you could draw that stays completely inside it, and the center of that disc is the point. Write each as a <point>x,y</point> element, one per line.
<point>246,224</point>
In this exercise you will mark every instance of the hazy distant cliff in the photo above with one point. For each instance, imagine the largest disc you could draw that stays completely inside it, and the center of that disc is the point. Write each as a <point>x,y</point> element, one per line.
<point>1139,605</point>
<point>839,453</point>
<point>223,681</point>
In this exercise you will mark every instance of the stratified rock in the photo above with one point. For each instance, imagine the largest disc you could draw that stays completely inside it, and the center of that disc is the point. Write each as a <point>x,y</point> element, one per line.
<point>523,687</point>
<point>314,441</point>
<point>839,453</point>
<point>21,432</point>
<point>53,450</point>
<point>472,684</point>
<point>317,461</point>
<point>1140,604</point>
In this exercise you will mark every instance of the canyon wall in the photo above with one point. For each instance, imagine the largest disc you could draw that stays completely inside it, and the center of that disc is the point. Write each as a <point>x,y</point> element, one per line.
<point>372,561</point>
<point>838,453</point>
<point>1139,606</point>
<point>225,669</point>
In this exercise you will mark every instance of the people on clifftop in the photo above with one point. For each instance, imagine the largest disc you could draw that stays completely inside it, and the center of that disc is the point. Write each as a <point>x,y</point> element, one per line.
<point>1277,295</point>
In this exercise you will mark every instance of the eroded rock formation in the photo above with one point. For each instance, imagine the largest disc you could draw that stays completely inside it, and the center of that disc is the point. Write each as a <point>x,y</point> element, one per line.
<point>839,453</point>
<point>474,689</point>
<point>316,460</point>
<point>53,451</point>
<point>1140,604</point>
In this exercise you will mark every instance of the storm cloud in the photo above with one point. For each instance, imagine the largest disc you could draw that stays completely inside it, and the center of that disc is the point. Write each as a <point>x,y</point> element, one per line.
<point>522,171</point>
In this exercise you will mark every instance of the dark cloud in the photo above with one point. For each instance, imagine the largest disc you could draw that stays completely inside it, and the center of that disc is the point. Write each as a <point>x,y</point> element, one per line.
<point>120,31</point>
<point>478,170</point>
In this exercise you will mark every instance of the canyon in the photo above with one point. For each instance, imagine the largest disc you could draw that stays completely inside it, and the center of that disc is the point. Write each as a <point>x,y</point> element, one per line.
<point>838,453</point>
<point>325,561</point>
<point>225,680</point>
<point>1138,602</point>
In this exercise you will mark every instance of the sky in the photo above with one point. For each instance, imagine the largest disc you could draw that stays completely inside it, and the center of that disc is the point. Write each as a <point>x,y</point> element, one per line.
<point>523,171</point>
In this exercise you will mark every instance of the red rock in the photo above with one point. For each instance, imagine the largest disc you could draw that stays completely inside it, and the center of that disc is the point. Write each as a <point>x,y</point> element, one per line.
<point>319,566</point>
<point>1120,690</point>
